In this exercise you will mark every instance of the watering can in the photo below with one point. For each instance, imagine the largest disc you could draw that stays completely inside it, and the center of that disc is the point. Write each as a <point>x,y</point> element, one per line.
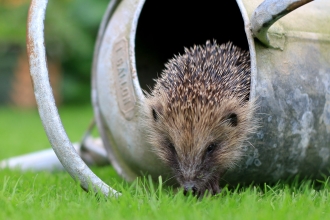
<point>290,78</point>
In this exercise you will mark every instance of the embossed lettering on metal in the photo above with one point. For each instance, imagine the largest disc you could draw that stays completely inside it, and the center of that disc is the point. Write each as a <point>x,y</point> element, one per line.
<point>123,79</point>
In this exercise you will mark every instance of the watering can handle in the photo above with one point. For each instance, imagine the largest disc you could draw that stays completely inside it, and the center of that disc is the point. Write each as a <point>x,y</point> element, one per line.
<point>268,12</point>
<point>48,112</point>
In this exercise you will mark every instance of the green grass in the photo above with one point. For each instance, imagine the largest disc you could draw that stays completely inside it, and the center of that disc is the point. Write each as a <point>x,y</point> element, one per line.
<point>45,195</point>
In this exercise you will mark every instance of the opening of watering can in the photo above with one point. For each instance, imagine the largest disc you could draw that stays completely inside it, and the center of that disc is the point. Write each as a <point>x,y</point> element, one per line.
<point>140,37</point>
<point>164,28</point>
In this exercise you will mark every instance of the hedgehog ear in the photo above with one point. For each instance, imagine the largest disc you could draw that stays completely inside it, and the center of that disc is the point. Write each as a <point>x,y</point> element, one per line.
<point>156,111</point>
<point>232,119</point>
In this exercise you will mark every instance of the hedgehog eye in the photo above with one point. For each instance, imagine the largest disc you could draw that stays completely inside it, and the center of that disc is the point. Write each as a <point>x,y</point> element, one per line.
<point>154,115</point>
<point>171,147</point>
<point>232,118</point>
<point>156,111</point>
<point>210,148</point>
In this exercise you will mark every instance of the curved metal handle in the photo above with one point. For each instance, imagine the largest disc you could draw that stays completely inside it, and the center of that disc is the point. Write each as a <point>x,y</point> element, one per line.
<point>47,108</point>
<point>268,12</point>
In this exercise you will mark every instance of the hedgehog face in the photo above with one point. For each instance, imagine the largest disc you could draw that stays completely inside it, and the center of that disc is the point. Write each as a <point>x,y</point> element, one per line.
<point>199,114</point>
<point>200,145</point>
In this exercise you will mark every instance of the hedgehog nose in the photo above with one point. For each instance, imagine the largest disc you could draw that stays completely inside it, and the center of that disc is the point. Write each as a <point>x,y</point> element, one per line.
<point>189,187</point>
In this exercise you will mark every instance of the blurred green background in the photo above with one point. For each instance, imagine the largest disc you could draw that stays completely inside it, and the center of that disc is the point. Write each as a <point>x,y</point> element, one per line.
<point>70,34</point>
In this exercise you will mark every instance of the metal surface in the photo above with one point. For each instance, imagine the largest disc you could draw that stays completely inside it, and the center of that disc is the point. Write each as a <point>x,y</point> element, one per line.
<point>36,161</point>
<point>92,153</point>
<point>267,13</point>
<point>292,88</point>
<point>117,96</point>
<point>291,85</point>
<point>46,105</point>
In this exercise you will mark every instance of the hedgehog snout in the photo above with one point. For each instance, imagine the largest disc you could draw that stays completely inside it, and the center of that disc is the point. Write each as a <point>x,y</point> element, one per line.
<point>190,187</point>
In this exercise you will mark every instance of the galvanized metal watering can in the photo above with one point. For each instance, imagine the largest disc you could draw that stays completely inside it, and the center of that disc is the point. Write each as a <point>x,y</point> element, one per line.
<point>290,61</point>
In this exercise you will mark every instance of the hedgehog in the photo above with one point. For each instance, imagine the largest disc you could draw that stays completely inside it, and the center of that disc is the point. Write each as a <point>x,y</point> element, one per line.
<point>199,114</point>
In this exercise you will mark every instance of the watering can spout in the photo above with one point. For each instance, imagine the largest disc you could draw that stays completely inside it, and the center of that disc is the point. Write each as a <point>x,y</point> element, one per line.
<point>91,151</point>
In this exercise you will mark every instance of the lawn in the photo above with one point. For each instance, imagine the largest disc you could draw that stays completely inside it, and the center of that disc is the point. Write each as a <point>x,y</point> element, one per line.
<point>46,195</point>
